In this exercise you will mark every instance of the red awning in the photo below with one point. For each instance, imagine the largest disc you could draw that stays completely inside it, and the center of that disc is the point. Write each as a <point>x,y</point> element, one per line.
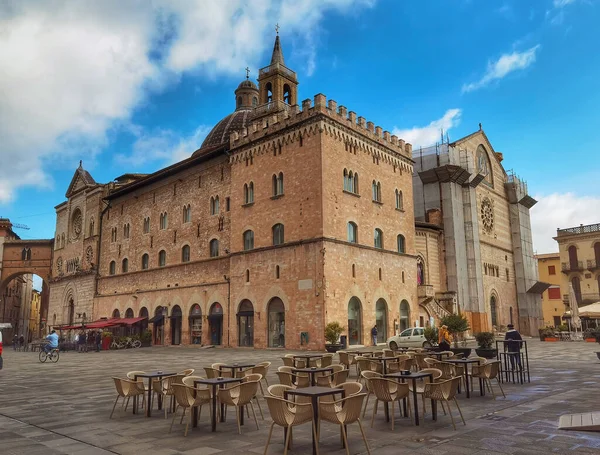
<point>130,321</point>
<point>102,323</point>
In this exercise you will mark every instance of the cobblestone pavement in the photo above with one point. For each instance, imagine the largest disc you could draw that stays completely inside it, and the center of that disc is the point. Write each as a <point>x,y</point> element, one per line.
<point>63,408</point>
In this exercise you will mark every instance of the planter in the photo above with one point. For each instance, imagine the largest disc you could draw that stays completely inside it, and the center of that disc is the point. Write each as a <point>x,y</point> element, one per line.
<point>333,347</point>
<point>466,352</point>
<point>486,353</point>
<point>590,340</point>
<point>551,339</point>
<point>106,343</point>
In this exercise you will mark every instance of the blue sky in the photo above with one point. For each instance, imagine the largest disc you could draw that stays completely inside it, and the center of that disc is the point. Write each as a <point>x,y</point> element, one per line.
<point>131,88</point>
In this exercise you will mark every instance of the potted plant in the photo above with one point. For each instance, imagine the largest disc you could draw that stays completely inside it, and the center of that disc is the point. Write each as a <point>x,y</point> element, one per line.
<point>333,330</point>
<point>485,347</point>
<point>106,340</point>
<point>547,334</point>
<point>146,338</point>
<point>457,325</point>
<point>431,335</point>
<point>589,335</point>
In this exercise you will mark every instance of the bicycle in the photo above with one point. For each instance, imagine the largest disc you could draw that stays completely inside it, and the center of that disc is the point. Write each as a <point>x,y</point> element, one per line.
<point>53,355</point>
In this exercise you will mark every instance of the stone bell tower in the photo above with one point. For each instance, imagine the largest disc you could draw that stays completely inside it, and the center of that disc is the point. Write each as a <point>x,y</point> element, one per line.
<point>277,84</point>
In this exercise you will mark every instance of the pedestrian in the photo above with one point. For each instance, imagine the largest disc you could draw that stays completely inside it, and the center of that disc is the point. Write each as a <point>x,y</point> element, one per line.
<point>444,338</point>
<point>513,346</point>
<point>84,346</point>
<point>15,342</point>
<point>79,342</point>
<point>98,340</point>
<point>374,335</point>
<point>21,342</point>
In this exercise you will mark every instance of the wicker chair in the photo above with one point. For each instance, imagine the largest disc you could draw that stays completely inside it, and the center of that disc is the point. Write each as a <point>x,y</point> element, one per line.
<point>326,360</point>
<point>344,412</point>
<point>257,378</point>
<point>187,372</point>
<point>189,381</point>
<point>367,364</point>
<point>293,380</point>
<point>487,372</point>
<point>238,396</point>
<point>262,369</point>
<point>131,375</point>
<point>430,362</point>
<point>367,376</point>
<point>437,374</point>
<point>212,373</point>
<point>189,397</point>
<point>347,359</point>
<point>288,414</point>
<point>288,361</point>
<point>388,391</point>
<point>278,390</point>
<point>444,391</point>
<point>419,359</point>
<point>126,389</point>
<point>339,375</point>
<point>389,353</point>
<point>164,388</point>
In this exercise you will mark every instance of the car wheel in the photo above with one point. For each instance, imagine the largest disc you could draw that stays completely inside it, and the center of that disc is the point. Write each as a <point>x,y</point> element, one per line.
<point>393,346</point>
<point>426,344</point>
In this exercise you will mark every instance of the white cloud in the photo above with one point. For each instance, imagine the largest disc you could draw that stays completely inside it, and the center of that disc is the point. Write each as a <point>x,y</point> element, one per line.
<point>560,210</point>
<point>72,70</point>
<point>165,146</point>
<point>428,135</point>
<point>562,3</point>
<point>506,64</point>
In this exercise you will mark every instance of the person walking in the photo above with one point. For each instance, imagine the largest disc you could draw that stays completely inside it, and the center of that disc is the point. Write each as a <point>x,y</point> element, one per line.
<point>513,346</point>
<point>374,335</point>
<point>15,342</point>
<point>21,342</point>
<point>84,346</point>
<point>444,338</point>
<point>98,340</point>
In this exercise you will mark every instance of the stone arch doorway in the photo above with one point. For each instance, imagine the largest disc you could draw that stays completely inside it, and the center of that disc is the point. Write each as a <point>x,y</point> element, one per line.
<point>354,321</point>
<point>71,311</point>
<point>245,317</point>
<point>144,314</point>
<point>381,320</point>
<point>158,324</point>
<point>116,313</point>
<point>195,324</point>
<point>176,322</point>
<point>494,310</point>
<point>404,315</point>
<point>215,324</point>
<point>276,325</point>
<point>129,313</point>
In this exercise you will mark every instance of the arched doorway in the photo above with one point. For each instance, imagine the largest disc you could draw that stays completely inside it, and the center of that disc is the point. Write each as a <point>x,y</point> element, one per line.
<point>158,324</point>
<point>404,315</point>
<point>245,318</point>
<point>573,263</point>
<point>494,311</point>
<point>116,313</point>
<point>215,323</point>
<point>420,271</point>
<point>354,321</point>
<point>71,311</point>
<point>276,328</point>
<point>381,320</point>
<point>144,314</point>
<point>176,316</point>
<point>196,324</point>
<point>129,313</point>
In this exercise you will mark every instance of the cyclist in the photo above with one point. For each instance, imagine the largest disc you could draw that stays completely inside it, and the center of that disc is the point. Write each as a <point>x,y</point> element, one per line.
<point>52,342</point>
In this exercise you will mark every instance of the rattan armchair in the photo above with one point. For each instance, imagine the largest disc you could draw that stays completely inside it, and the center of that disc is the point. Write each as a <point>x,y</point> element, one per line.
<point>388,391</point>
<point>344,412</point>
<point>278,390</point>
<point>339,375</point>
<point>164,388</point>
<point>189,381</point>
<point>262,369</point>
<point>487,372</point>
<point>326,360</point>
<point>187,372</point>
<point>238,396</point>
<point>367,376</point>
<point>126,388</point>
<point>293,380</point>
<point>288,414</point>
<point>419,359</point>
<point>444,391</point>
<point>256,378</point>
<point>347,359</point>
<point>188,398</point>
<point>132,375</point>
<point>436,375</point>
<point>212,373</point>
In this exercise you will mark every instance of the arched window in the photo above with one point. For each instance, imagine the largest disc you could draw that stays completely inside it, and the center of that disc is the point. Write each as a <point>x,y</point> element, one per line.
<point>352,232</point>
<point>162,258</point>
<point>404,315</point>
<point>420,272</point>
<point>239,101</point>
<point>346,180</point>
<point>57,243</point>
<point>399,201</point>
<point>214,205</point>
<point>276,323</point>
<point>91,226</point>
<point>187,213</point>
<point>129,313</point>
<point>353,271</point>
<point>26,254</point>
<point>278,234</point>
<point>401,244</point>
<point>277,184</point>
<point>62,240</point>
<point>146,225</point>
<point>249,193</point>
<point>247,276</point>
<point>125,265</point>
<point>354,321</point>
<point>269,89</point>
<point>248,240</point>
<point>112,267</point>
<point>573,262</point>
<point>597,255</point>
<point>185,253</point>
<point>493,311</point>
<point>214,248</point>
<point>378,238</point>
<point>163,221</point>
<point>376,190</point>
<point>276,272</point>
<point>381,318</point>
<point>116,313</point>
<point>355,183</point>
<point>483,165</point>
<point>145,261</point>
<point>254,101</point>
<point>287,94</point>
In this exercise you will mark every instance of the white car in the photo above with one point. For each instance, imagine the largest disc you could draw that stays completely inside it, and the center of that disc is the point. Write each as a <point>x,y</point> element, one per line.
<point>409,338</point>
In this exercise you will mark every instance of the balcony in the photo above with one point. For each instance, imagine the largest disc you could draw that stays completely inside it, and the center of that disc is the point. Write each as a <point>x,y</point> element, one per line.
<point>582,299</point>
<point>590,228</point>
<point>568,267</point>
<point>593,264</point>
<point>277,67</point>
<point>425,291</point>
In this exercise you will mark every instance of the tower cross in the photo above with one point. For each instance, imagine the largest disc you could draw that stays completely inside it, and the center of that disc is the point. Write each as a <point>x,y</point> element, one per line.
<point>247,72</point>
<point>277,28</point>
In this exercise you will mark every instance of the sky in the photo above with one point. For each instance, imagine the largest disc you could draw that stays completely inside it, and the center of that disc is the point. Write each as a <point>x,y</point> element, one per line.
<point>135,85</point>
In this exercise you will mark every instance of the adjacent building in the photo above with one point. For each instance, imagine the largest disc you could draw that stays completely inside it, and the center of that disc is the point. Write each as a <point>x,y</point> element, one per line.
<point>549,270</point>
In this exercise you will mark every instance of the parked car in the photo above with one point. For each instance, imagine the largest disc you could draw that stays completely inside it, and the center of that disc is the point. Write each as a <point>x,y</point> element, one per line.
<point>409,338</point>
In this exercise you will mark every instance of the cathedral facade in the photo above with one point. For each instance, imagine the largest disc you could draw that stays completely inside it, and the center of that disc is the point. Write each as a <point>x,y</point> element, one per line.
<point>289,216</point>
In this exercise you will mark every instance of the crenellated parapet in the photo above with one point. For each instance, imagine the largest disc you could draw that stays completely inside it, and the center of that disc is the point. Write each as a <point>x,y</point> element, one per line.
<point>319,116</point>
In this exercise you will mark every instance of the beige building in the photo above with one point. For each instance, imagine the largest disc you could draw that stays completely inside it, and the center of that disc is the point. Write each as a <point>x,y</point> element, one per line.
<point>579,249</point>
<point>35,314</point>
<point>549,271</point>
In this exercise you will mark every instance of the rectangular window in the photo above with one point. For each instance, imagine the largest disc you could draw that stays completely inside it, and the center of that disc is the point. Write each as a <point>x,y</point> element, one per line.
<point>554,293</point>
<point>551,270</point>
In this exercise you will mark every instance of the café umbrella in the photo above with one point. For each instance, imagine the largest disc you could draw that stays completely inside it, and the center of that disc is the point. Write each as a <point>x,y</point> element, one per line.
<point>575,319</point>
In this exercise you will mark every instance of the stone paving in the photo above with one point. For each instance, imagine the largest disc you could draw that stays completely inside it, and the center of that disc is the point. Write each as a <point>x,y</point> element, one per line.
<point>63,408</point>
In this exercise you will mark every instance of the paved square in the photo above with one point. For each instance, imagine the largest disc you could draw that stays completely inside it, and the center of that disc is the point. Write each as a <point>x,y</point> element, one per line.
<point>63,408</point>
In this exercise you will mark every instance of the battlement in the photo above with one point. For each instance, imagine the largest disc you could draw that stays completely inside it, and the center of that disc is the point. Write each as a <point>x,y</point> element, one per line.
<point>291,115</point>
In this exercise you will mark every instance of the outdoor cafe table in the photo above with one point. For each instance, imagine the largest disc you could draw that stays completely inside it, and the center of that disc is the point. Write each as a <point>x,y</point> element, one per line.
<point>414,376</point>
<point>306,357</point>
<point>152,375</point>
<point>312,373</point>
<point>437,355</point>
<point>214,383</point>
<point>384,361</point>
<point>465,363</point>
<point>314,393</point>
<point>236,366</point>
